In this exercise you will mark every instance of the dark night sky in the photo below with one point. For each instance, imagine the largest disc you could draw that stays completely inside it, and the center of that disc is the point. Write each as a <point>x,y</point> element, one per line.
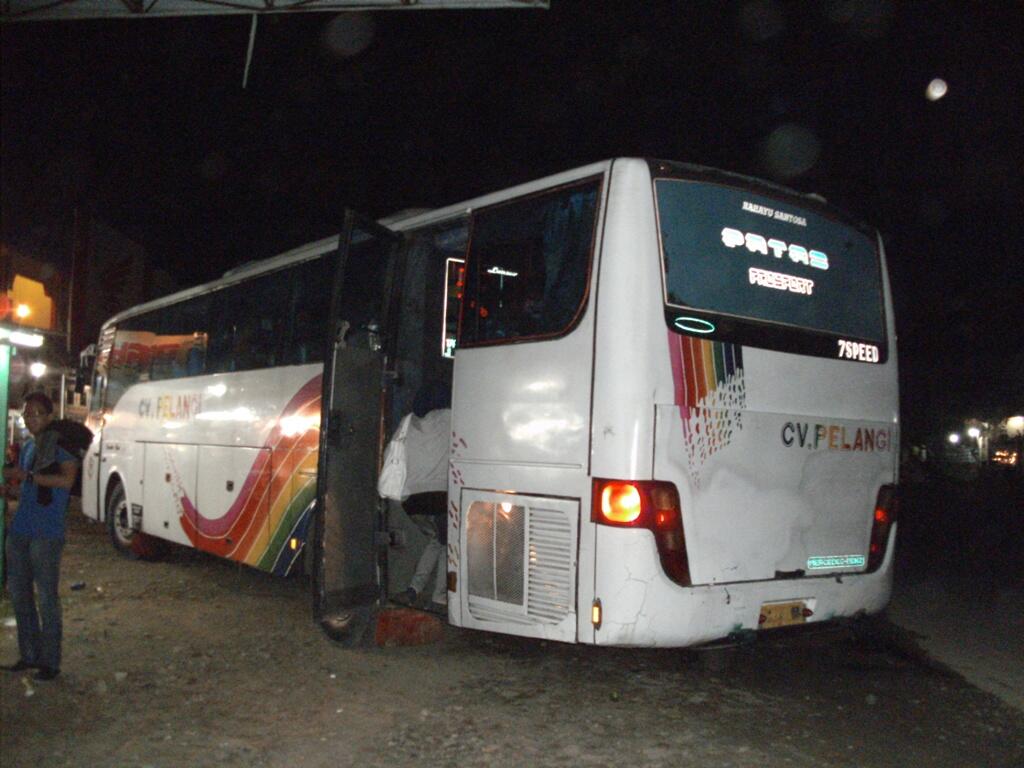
<point>145,123</point>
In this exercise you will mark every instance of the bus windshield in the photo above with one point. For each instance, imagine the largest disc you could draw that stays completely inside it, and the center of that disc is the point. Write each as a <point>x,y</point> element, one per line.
<point>734,253</point>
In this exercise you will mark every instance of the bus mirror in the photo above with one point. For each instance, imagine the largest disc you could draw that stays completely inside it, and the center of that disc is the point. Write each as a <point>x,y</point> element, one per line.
<point>86,359</point>
<point>83,373</point>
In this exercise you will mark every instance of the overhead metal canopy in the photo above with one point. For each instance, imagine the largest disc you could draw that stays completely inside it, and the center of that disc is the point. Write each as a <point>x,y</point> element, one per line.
<point>40,10</point>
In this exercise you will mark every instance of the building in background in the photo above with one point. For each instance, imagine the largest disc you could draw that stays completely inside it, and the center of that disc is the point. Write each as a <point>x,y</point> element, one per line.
<point>63,278</point>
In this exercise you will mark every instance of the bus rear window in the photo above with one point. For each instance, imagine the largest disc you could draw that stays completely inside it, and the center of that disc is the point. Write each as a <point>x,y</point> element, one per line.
<point>761,269</point>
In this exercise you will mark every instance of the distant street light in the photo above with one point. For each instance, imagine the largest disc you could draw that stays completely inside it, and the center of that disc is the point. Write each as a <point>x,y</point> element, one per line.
<point>974,432</point>
<point>37,369</point>
<point>954,438</point>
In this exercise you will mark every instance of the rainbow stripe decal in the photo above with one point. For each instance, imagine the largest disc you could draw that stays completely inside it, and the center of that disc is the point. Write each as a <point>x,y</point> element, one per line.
<point>278,491</point>
<point>710,393</point>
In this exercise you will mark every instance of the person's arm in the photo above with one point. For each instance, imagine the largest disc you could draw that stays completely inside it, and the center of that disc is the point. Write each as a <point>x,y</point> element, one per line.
<point>13,476</point>
<point>63,479</point>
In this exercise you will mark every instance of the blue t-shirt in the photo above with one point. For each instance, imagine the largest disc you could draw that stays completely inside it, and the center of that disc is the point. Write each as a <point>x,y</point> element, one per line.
<point>32,518</point>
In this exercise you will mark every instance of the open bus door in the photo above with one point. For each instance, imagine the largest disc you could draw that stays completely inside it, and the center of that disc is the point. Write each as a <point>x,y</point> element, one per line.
<point>347,561</point>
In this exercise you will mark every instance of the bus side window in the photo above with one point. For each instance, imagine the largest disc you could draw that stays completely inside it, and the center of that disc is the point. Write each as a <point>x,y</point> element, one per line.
<point>529,260</point>
<point>129,359</point>
<point>248,320</point>
<point>222,330</point>
<point>180,347</point>
<point>310,295</point>
<point>266,301</point>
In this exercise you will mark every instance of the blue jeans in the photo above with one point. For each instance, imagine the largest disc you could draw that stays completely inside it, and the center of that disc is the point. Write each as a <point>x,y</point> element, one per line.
<point>39,632</point>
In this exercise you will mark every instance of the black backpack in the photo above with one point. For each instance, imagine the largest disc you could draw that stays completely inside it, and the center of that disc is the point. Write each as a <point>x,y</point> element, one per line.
<point>73,436</point>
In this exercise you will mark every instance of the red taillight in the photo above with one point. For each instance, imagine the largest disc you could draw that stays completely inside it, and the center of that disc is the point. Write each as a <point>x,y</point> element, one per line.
<point>885,516</point>
<point>620,503</point>
<point>649,504</point>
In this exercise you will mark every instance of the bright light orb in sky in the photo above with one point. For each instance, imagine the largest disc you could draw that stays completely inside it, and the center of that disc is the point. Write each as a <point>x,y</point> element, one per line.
<point>936,89</point>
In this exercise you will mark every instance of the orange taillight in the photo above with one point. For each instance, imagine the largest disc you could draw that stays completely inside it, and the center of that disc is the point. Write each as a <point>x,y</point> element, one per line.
<point>620,503</point>
<point>650,504</point>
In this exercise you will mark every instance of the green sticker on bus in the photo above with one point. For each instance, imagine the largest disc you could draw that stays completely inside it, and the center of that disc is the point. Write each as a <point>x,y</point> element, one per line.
<point>828,562</point>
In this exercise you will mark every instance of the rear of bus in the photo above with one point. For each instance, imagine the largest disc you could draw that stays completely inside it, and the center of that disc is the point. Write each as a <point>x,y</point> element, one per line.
<point>745,411</point>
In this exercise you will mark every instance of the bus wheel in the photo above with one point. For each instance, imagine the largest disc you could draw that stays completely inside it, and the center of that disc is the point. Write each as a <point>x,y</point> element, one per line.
<point>127,541</point>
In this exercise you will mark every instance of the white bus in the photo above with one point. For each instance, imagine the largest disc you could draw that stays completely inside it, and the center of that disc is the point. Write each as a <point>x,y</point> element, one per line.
<point>674,409</point>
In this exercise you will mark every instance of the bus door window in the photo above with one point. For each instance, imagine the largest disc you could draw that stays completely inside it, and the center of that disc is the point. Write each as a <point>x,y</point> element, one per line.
<point>363,287</point>
<point>100,372</point>
<point>429,313</point>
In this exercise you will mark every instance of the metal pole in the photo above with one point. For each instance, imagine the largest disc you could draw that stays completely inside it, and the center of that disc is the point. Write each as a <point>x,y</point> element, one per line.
<point>248,53</point>
<point>75,234</point>
<point>5,376</point>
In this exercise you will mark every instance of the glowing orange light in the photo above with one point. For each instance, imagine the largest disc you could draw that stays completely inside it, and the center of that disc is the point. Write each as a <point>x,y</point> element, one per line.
<point>620,502</point>
<point>23,311</point>
<point>665,518</point>
<point>881,516</point>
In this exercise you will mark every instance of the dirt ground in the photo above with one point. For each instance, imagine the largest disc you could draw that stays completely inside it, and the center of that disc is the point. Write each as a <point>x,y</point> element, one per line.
<point>193,661</point>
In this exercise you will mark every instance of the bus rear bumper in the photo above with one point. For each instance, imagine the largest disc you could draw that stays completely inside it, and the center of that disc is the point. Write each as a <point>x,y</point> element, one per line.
<point>654,611</point>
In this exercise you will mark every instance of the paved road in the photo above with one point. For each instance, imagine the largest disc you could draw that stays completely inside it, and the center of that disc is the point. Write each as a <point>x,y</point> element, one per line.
<point>959,587</point>
<point>194,661</point>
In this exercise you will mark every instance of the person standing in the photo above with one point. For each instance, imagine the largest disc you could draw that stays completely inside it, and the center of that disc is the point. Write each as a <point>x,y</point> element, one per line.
<point>424,493</point>
<point>35,541</point>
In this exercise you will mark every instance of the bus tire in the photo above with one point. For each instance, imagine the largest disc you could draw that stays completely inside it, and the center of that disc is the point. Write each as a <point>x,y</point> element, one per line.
<point>129,543</point>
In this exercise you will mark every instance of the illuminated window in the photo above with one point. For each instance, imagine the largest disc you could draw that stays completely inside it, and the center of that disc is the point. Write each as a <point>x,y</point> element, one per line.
<point>770,267</point>
<point>29,304</point>
<point>455,281</point>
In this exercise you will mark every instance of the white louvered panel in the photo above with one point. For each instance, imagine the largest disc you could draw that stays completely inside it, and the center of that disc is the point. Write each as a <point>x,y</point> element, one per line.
<point>550,574</point>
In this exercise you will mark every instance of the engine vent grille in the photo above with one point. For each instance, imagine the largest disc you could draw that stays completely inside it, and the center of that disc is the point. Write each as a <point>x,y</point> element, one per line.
<point>520,562</point>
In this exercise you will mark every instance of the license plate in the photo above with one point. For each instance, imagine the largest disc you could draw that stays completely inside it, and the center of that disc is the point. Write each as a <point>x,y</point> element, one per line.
<point>781,614</point>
